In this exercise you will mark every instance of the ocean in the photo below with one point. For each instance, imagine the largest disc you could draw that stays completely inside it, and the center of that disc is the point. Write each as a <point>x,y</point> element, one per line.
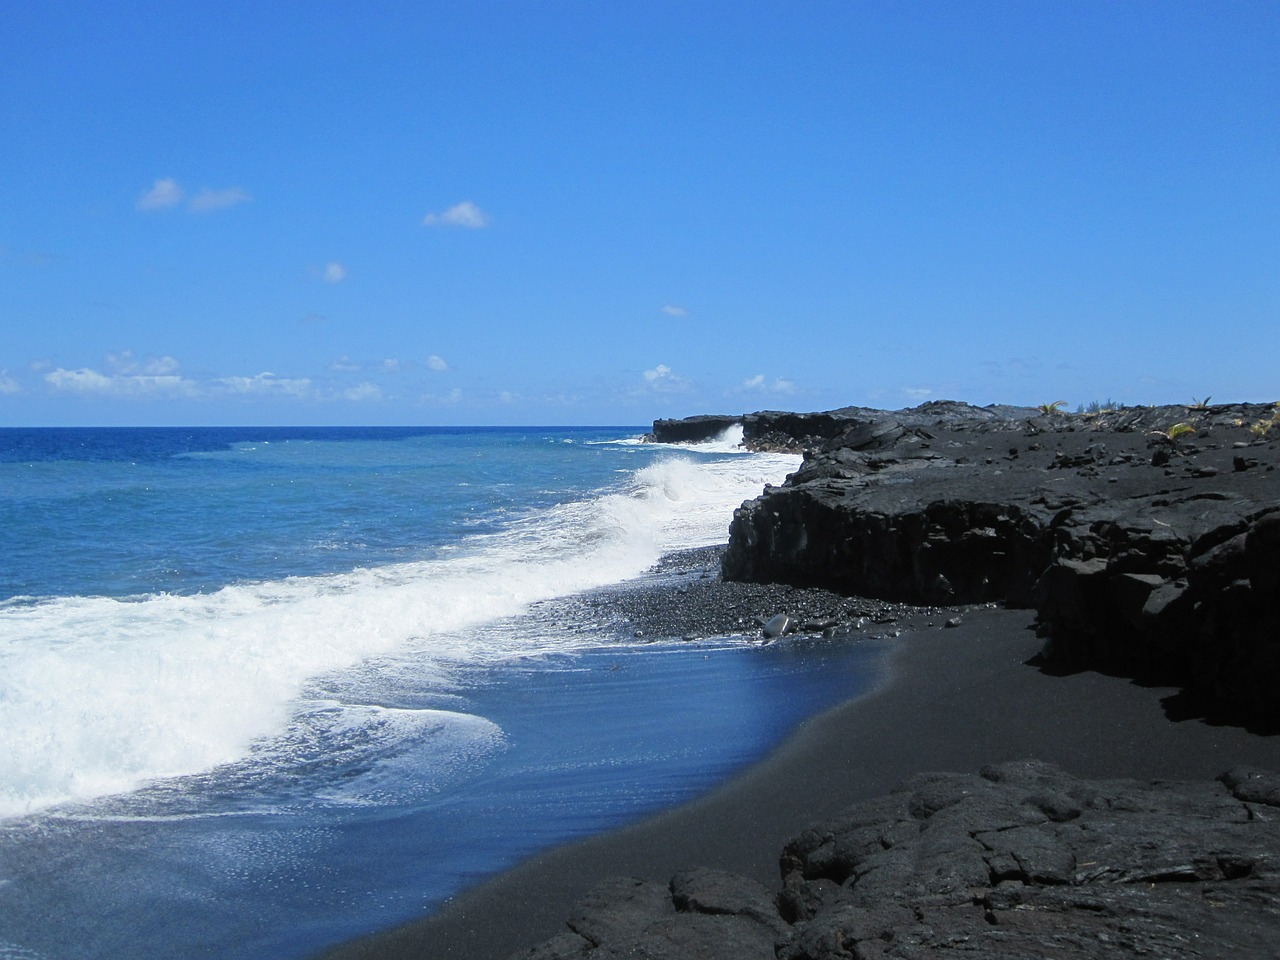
<point>263,690</point>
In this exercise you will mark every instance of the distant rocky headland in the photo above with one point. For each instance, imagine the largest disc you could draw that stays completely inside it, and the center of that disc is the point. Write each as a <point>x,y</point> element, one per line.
<point>1147,539</point>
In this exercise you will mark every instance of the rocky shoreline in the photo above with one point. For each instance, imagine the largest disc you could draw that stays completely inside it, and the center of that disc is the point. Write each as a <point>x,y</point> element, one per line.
<point>1146,540</point>
<point>686,597</point>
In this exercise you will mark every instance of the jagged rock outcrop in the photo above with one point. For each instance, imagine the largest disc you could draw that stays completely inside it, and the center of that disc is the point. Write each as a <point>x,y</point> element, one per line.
<point>1021,860</point>
<point>1141,552</point>
<point>784,430</point>
<point>1180,590</point>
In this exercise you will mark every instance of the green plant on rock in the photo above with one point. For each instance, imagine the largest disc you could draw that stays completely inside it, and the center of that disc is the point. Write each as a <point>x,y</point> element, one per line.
<point>1199,404</point>
<point>1263,426</point>
<point>1096,407</point>
<point>1174,433</point>
<point>1049,409</point>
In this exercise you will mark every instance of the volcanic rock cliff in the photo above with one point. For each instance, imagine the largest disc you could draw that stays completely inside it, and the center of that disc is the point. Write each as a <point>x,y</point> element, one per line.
<point>1147,539</point>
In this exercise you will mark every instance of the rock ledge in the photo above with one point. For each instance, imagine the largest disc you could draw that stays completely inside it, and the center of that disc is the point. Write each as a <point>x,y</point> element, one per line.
<point>1147,539</point>
<point>1019,860</point>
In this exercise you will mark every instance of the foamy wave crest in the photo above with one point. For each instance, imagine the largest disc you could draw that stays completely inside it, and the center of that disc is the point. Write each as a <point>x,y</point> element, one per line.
<point>99,695</point>
<point>728,441</point>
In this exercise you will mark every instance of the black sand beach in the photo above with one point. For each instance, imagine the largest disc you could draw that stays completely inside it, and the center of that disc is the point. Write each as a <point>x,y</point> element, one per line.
<point>957,697</point>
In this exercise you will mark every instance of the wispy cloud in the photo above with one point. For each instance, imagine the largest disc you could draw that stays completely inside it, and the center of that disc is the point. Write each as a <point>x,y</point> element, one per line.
<point>918,393</point>
<point>363,391</point>
<point>437,363</point>
<point>83,380</point>
<point>334,272</point>
<point>161,365</point>
<point>265,384</point>
<point>87,381</point>
<point>206,201</point>
<point>672,310</point>
<point>452,397</point>
<point>164,193</point>
<point>123,375</point>
<point>665,380</point>
<point>759,383</point>
<point>8,385</point>
<point>464,214</point>
<point>657,373</point>
<point>125,362</point>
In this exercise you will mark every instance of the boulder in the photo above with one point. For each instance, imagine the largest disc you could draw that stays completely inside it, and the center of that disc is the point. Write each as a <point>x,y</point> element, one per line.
<point>697,429</point>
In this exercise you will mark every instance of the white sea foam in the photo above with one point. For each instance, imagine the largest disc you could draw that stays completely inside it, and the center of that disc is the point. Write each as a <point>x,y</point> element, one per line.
<point>729,440</point>
<point>101,695</point>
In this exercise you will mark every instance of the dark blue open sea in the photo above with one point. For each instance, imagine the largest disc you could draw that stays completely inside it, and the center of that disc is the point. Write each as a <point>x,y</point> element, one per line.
<point>264,690</point>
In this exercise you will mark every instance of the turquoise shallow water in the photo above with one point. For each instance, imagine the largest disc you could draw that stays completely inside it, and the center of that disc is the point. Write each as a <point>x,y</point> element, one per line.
<point>268,690</point>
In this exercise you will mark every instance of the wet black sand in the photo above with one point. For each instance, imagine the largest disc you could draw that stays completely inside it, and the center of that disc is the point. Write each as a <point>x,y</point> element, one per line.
<point>954,699</point>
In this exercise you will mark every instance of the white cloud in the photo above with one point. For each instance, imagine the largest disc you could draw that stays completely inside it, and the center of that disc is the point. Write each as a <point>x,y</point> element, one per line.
<point>87,381</point>
<point>125,362</point>
<point>657,373</point>
<point>391,365</point>
<point>121,362</point>
<point>334,272</point>
<point>918,393</point>
<point>8,385</point>
<point>363,391</point>
<point>344,364</point>
<point>464,214</point>
<point>266,383</point>
<point>506,396</point>
<point>161,366</point>
<point>777,385</point>
<point>437,363</point>
<point>453,396</point>
<point>208,200</point>
<point>664,380</point>
<point>164,193</point>
<point>83,380</point>
<point>672,310</point>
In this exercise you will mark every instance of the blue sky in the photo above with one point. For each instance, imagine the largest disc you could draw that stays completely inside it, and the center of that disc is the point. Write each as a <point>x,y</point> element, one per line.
<point>606,212</point>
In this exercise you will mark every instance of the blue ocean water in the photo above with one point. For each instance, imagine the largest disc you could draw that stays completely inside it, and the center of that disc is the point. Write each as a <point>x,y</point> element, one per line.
<point>266,689</point>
